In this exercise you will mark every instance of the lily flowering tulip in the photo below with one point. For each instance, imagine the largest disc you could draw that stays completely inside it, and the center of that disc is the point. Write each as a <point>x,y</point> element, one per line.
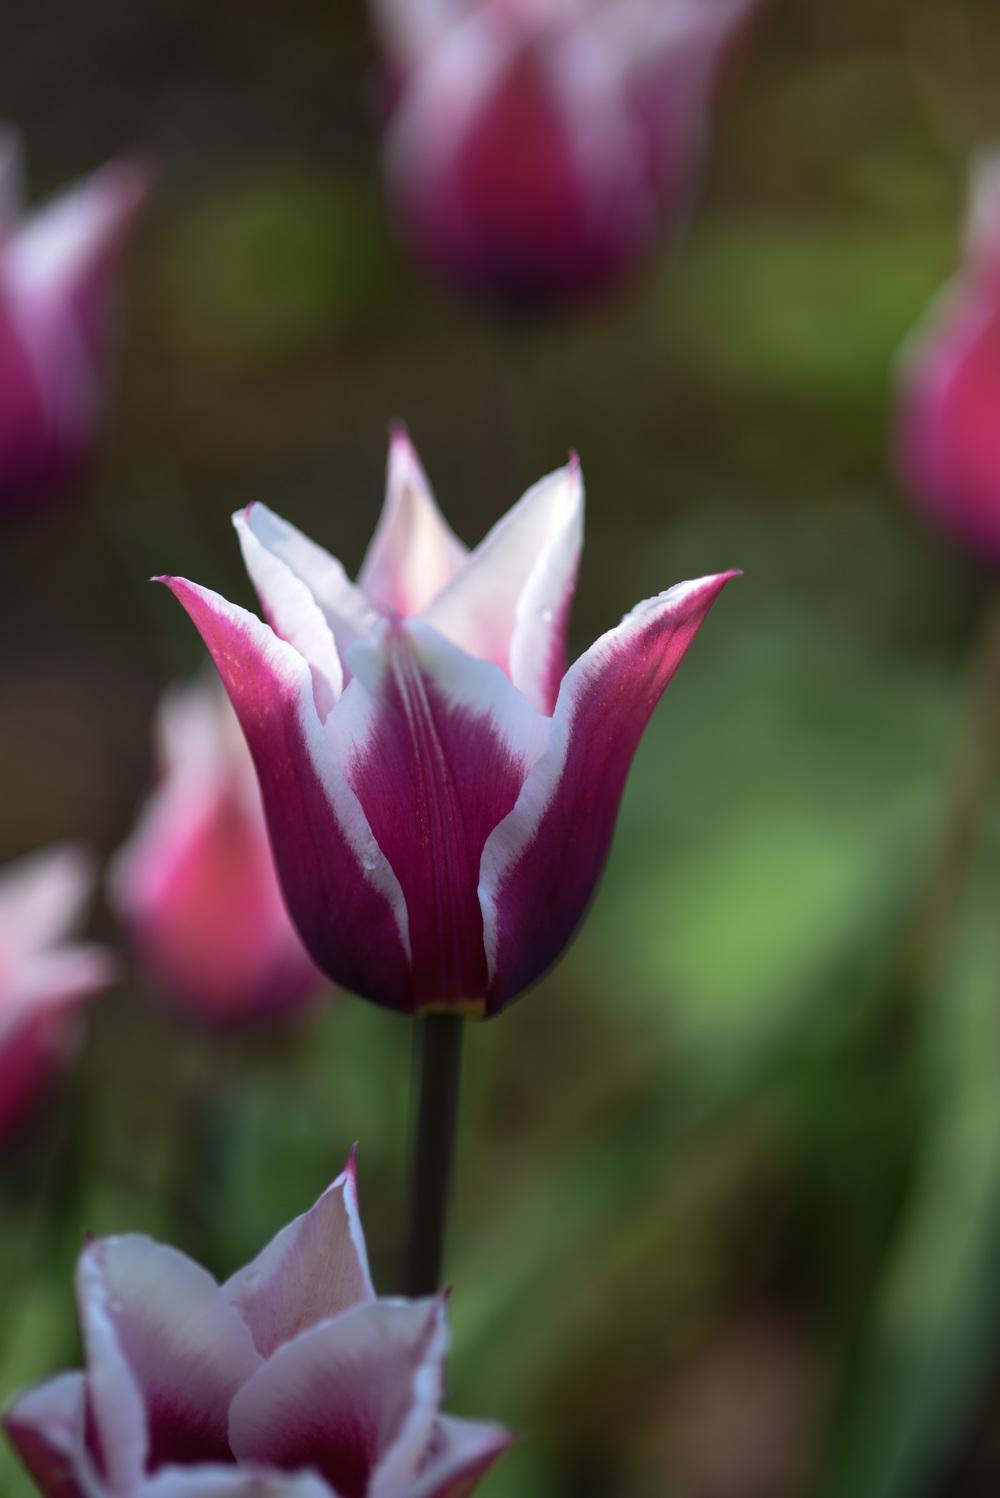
<point>44,977</point>
<point>947,429</point>
<point>291,1380</point>
<point>440,791</point>
<point>195,884</point>
<point>59,266</point>
<point>536,149</point>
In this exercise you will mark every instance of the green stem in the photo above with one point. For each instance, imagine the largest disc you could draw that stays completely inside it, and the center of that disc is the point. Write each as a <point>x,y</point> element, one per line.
<point>437,1055</point>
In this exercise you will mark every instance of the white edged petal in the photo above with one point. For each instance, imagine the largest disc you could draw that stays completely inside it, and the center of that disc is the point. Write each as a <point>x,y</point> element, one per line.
<point>234,1482</point>
<point>42,898</point>
<point>413,553</point>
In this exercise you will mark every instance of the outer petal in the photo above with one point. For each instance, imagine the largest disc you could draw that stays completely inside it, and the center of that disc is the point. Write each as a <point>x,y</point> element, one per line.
<point>460,1453</point>
<point>510,603</point>
<point>354,1398</point>
<point>315,1268</point>
<point>46,1428</point>
<point>413,553</point>
<point>158,1327</point>
<point>436,746</point>
<point>42,897</point>
<point>348,613</point>
<point>234,1482</point>
<point>542,863</point>
<point>342,894</point>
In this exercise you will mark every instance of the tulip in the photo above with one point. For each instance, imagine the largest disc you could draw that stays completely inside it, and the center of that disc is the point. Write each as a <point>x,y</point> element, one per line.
<point>947,429</point>
<point>58,271</point>
<point>44,979</point>
<point>195,884</point>
<point>537,149</point>
<point>440,791</point>
<point>291,1380</point>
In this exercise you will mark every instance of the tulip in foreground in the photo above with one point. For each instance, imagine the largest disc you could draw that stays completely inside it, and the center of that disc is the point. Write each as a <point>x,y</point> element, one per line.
<point>45,978</point>
<point>196,884</point>
<point>59,268</point>
<point>537,149</point>
<point>947,431</point>
<point>440,791</point>
<point>291,1380</point>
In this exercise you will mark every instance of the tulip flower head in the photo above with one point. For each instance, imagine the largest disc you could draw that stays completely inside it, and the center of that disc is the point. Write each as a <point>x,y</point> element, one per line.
<point>440,791</point>
<point>58,271</point>
<point>537,149</point>
<point>195,884</point>
<point>291,1380</point>
<point>44,977</point>
<point>947,429</point>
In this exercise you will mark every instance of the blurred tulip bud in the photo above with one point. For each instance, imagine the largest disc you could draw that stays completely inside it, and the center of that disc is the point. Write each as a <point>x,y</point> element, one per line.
<point>195,884</point>
<point>537,149</point>
<point>947,428</point>
<point>44,979</point>
<point>58,272</point>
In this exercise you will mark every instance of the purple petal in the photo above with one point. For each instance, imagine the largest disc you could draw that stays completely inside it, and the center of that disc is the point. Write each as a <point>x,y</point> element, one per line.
<point>158,1330</point>
<point>341,892</point>
<point>460,1453</point>
<point>541,865</point>
<point>233,1482</point>
<point>315,1268</point>
<point>46,1429</point>
<point>436,746</point>
<point>413,553</point>
<point>510,603</point>
<point>353,1398</point>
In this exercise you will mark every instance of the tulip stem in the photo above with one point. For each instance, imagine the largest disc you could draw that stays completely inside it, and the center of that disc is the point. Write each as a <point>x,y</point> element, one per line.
<point>437,1055</point>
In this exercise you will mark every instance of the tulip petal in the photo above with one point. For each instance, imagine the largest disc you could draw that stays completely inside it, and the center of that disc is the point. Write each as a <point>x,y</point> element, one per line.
<point>460,1453</point>
<point>436,746</point>
<point>315,1268</point>
<point>46,1428</point>
<point>42,898</point>
<point>234,1482</point>
<point>413,553</point>
<point>510,603</point>
<point>541,865</point>
<point>154,1314</point>
<point>354,1398</point>
<point>347,611</point>
<point>342,894</point>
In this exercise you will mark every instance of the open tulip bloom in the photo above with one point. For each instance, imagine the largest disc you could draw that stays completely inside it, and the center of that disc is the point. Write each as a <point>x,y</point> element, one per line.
<point>440,791</point>
<point>45,977</point>
<point>58,271</point>
<point>289,1381</point>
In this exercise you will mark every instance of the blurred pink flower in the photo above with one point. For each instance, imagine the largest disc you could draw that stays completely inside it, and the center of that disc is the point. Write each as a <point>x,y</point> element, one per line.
<point>947,429</point>
<point>537,149</point>
<point>196,885</point>
<point>440,791</point>
<point>58,271</point>
<point>43,979</point>
<point>289,1381</point>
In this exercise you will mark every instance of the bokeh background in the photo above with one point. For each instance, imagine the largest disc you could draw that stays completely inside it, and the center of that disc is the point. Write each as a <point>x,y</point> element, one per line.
<point>728,1210</point>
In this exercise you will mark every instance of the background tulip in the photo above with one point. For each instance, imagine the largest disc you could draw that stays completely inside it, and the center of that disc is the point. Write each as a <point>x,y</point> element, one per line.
<point>289,1381</point>
<point>196,885</point>
<point>440,795</point>
<point>59,266</point>
<point>947,433</point>
<point>44,978</point>
<point>536,150</point>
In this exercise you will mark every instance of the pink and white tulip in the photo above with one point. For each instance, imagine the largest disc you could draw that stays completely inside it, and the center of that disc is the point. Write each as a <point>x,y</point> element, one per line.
<point>44,977</point>
<point>59,267</point>
<point>440,791</point>
<point>291,1380</point>
<point>195,884</point>
<point>947,429</point>
<point>537,149</point>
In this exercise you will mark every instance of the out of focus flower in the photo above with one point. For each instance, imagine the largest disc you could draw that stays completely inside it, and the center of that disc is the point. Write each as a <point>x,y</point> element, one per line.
<point>58,271</point>
<point>44,978</point>
<point>440,795</point>
<point>947,430</point>
<point>289,1381</point>
<point>537,149</point>
<point>196,885</point>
